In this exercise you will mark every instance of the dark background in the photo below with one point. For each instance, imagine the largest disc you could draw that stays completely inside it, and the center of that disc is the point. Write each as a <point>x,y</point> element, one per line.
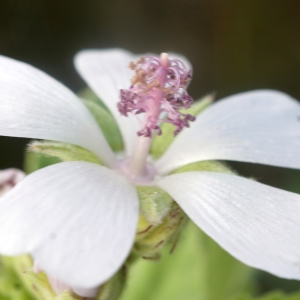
<point>234,46</point>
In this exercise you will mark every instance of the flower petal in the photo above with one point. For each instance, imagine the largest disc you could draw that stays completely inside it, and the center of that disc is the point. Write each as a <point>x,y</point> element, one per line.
<point>256,223</point>
<point>106,72</point>
<point>259,127</point>
<point>34,105</point>
<point>77,219</point>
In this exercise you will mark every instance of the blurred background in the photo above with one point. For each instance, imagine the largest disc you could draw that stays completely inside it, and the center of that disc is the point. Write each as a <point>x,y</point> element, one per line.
<point>233,45</point>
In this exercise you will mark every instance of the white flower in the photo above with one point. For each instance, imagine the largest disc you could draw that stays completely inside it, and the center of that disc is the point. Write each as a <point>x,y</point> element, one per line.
<point>78,220</point>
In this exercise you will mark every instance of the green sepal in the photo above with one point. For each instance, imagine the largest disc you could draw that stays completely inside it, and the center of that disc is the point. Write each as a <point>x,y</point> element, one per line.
<point>113,288</point>
<point>42,288</point>
<point>151,239</point>
<point>88,94</point>
<point>40,285</point>
<point>34,285</point>
<point>63,151</point>
<point>34,161</point>
<point>155,203</point>
<point>107,124</point>
<point>104,119</point>
<point>208,165</point>
<point>67,296</point>
<point>12,282</point>
<point>197,269</point>
<point>161,143</point>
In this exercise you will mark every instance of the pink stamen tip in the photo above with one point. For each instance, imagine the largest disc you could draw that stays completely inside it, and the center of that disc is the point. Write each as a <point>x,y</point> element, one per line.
<point>159,86</point>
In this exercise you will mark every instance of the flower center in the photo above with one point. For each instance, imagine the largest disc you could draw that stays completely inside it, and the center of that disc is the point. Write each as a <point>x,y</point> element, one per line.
<point>159,91</point>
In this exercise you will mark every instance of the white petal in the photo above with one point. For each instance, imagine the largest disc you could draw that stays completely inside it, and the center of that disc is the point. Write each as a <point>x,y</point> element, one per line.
<point>77,219</point>
<point>259,127</point>
<point>257,224</point>
<point>106,72</point>
<point>34,105</point>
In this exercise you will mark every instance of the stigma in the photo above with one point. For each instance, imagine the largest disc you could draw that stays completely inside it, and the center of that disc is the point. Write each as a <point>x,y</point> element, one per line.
<point>158,90</point>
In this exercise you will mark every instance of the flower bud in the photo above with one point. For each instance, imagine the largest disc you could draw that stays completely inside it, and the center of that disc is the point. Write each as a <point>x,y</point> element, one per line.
<point>151,237</point>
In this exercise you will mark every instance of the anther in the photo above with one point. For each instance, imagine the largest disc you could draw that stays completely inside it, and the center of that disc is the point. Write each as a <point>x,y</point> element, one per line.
<point>159,86</point>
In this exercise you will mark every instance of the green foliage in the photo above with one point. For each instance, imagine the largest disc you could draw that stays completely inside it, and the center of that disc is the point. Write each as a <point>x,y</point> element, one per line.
<point>161,143</point>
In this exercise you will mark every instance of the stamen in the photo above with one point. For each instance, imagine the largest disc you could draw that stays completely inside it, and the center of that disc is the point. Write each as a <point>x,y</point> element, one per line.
<point>158,88</point>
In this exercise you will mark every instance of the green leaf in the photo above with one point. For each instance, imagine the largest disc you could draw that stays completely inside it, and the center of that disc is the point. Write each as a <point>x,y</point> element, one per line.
<point>63,151</point>
<point>161,143</point>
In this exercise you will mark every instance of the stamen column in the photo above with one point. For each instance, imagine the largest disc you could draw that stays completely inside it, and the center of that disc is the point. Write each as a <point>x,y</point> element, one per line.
<point>158,89</point>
